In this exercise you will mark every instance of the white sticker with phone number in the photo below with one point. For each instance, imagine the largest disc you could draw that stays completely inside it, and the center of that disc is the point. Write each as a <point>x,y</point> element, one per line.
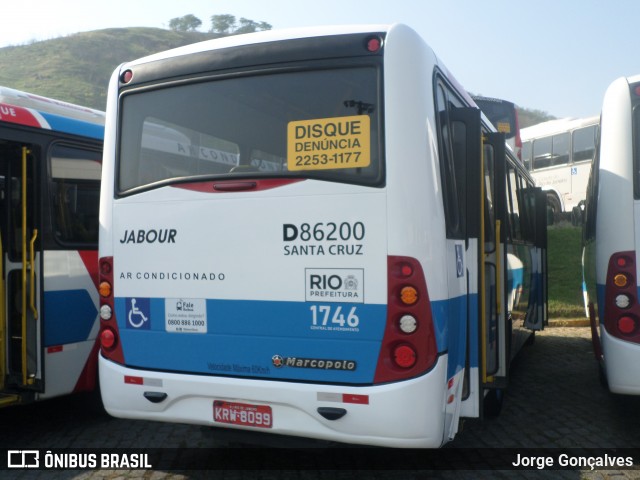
<point>185,315</point>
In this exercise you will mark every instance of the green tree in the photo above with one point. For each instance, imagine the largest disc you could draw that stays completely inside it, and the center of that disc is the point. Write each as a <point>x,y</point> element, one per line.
<point>246,26</point>
<point>223,24</point>
<point>249,26</point>
<point>226,25</point>
<point>188,23</point>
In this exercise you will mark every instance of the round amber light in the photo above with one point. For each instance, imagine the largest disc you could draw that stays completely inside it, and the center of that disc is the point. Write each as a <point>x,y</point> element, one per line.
<point>104,289</point>
<point>408,295</point>
<point>620,280</point>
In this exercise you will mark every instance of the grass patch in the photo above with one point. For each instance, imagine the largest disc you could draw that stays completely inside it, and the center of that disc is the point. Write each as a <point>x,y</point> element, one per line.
<point>564,262</point>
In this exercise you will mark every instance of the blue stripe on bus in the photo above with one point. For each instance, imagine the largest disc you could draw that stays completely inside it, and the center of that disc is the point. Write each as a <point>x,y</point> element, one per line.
<point>450,325</point>
<point>243,337</point>
<point>76,127</point>
<point>69,316</point>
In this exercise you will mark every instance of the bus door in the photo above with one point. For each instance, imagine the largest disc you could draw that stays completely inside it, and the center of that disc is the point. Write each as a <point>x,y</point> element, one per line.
<point>494,332</point>
<point>537,311</point>
<point>19,293</point>
<point>485,213</point>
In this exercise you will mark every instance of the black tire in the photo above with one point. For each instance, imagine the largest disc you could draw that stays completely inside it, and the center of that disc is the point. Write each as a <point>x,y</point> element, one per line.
<point>492,405</point>
<point>554,209</point>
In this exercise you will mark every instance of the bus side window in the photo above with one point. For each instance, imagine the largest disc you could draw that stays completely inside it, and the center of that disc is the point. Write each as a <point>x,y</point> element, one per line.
<point>453,154</point>
<point>560,149</point>
<point>542,153</point>
<point>75,193</point>
<point>526,155</point>
<point>515,232</point>
<point>584,143</point>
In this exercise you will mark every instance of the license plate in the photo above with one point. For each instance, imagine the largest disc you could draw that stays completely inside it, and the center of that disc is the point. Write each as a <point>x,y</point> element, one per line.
<point>242,414</point>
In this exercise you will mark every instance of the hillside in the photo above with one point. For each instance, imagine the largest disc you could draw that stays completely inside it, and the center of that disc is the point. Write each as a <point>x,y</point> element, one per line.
<point>77,68</point>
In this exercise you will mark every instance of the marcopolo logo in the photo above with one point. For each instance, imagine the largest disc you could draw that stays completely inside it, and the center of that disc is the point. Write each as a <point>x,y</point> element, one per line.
<point>334,285</point>
<point>315,363</point>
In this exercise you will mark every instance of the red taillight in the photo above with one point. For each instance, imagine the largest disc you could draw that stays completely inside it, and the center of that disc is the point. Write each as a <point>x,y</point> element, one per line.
<point>404,356</point>
<point>409,346</point>
<point>126,76</point>
<point>406,270</point>
<point>626,325</point>
<point>107,339</point>
<point>374,44</point>
<point>621,308</point>
<point>109,333</point>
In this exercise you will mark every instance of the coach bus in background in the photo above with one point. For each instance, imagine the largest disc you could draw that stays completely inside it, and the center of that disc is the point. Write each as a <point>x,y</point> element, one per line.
<point>612,239</point>
<point>504,116</point>
<point>356,261</point>
<point>558,153</point>
<point>50,166</point>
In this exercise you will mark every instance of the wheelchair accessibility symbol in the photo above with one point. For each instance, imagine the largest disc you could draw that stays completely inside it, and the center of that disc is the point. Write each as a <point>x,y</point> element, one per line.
<point>138,313</point>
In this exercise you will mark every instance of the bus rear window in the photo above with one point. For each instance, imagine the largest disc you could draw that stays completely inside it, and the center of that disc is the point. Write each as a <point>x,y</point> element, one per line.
<point>313,124</point>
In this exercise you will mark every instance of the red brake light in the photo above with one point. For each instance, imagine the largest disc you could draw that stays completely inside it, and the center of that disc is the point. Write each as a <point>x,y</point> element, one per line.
<point>409,344</point>
<point>105,268</point>
<point>621,307</point>
<point>626,325</point>
<point>107,339</point>
<point>126,76</point>
<point>374,44</point>
<point>406,270</point>
<point>404,356</point>
<point>109,333</point>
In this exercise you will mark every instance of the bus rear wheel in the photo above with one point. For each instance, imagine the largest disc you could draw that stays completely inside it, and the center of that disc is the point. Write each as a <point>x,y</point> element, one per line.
<point>554,209</point>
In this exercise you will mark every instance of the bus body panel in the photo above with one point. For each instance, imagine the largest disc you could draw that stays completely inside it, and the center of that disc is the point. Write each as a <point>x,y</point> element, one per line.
<point>621,364</point>
<point>612,229</point>
<point>326,303</point>
<point>71,320</point>
<point>395,414</point>
<point>411,132</point>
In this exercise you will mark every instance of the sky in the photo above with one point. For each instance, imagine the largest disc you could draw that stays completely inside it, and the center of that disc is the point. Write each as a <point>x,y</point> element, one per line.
<point>557,56</point>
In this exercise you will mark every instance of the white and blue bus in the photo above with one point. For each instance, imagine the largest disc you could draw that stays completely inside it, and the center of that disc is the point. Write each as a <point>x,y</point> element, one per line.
<point>612,239</point>
<point>314,233</point>
<point>558,154</point>
<point>50,167</point>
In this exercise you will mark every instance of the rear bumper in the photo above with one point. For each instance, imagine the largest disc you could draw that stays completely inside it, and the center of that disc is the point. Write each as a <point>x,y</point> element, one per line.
<point>408,414</point>
<point>622,364</point>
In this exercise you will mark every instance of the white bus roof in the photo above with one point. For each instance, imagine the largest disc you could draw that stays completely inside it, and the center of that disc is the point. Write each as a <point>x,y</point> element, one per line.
<point>559,125</point>
<point>263,37</point>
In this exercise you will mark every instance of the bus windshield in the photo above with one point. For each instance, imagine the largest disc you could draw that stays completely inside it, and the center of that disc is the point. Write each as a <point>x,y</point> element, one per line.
<point>261,125</point>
